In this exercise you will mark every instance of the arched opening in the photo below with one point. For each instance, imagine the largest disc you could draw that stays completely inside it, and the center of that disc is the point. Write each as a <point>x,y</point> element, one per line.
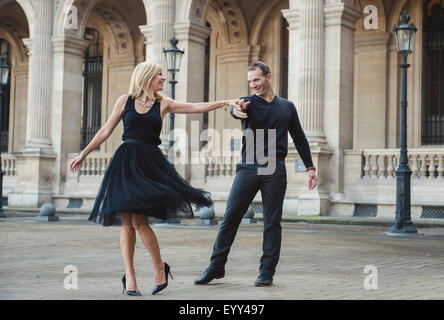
<point>92,86</point>
<point>14,29</point>
<point>115,46</point>
<point>283,83</point>
<point>5,51</point>
<point>206,81</point>
<point>433,76</point>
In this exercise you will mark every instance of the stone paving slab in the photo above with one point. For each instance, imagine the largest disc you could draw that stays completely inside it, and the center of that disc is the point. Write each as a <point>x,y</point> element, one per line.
<point>317,262</point>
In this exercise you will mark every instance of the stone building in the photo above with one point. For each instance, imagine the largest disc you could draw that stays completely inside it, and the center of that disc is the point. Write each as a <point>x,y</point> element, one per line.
<point>336,59</point>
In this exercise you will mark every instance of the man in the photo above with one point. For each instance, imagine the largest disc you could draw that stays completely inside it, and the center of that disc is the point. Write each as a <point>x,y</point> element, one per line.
<point>266,120</point>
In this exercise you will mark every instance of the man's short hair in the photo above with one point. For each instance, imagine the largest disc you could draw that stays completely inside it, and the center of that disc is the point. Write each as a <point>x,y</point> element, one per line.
<point>261,65</point>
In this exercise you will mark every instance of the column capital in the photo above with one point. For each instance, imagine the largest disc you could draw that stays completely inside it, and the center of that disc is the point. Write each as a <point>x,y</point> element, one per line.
<point>293,18</point>
<point>192,31</point>
<point>147,31</point>
<point>28,44</point>
<point>67,44</point>
<point>236,53</point>
<point>342,13</point>
<point>122,61</point>
<point>371,41</point>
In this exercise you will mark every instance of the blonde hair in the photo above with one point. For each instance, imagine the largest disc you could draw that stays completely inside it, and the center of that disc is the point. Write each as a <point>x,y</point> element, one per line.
<point>143,73</point>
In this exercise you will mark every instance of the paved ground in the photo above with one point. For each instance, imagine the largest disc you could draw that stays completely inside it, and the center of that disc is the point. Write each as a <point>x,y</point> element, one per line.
<point>317,262</point>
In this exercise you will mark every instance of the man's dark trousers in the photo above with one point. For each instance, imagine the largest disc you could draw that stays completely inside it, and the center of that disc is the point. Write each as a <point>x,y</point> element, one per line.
<point>245,186</point>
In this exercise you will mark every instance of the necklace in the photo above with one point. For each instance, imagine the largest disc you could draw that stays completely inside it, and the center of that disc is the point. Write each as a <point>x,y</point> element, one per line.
<point>145,105</point>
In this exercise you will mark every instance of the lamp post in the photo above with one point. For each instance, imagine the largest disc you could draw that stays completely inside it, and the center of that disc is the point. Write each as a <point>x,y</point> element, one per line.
<point>403,224</point>
<point>4,73</point>
<point>173,57</point>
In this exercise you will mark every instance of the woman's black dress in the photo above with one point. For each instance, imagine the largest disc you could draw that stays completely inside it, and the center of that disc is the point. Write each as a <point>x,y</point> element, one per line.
<point>139,179</point>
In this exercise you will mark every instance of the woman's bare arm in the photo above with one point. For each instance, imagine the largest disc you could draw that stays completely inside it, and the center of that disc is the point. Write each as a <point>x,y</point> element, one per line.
<point>172,106</point>
<point>102,134</point>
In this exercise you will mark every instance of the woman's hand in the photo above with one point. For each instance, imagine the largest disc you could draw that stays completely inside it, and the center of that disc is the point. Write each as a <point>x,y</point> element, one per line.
<point>239,109</point>
<point>233,102</point>
<point>76,162</point>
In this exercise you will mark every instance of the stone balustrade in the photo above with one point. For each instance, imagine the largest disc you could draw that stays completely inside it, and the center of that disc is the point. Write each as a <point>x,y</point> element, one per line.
<point>94,165</point>
<point>224,165</point>
<point>426,164</point>
<point>9,165</point>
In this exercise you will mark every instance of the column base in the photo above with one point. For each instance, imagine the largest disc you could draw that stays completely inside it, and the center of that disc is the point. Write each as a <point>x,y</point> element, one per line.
<point>34,179</point>
<point>315,203</point>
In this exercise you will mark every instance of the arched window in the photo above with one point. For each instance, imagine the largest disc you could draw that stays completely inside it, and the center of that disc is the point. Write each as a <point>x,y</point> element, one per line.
<point>433,73</point>
<point>283,83</point>
<point>206,81</point>
<point>92,86</point>
<point>5,50</point>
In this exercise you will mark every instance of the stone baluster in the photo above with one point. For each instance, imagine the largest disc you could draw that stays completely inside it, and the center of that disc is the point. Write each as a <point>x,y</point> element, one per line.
<point>229,166</point>
<point>223,167</point>
<point>390,168</point>
<point>423,168</point>
<point>440,167</point>
<point>382,166</point>
<point>432,167</point>
<point>414,168</point>
<point>211,167</point>
<point>374,166</point>
<point>366,166</point>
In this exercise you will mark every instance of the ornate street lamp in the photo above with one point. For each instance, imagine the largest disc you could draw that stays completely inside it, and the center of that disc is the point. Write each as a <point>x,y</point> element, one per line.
<point>4,74</point>
<point>173,57</point>
<point>403,224</point>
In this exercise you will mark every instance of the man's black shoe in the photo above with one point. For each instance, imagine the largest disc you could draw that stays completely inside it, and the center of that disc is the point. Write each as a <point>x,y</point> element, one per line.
<point>209,275</point>
<point>264,280</point>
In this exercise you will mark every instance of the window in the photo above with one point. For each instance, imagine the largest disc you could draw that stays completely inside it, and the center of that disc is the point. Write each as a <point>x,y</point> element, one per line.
<point>433,73</point>
<point>92,86</point>
<point>206,82</point>
<point>283,85</point>
<point>5,49</point>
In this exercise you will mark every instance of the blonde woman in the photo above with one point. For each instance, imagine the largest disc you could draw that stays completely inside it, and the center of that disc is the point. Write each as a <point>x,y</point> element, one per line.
<point>139,181</point>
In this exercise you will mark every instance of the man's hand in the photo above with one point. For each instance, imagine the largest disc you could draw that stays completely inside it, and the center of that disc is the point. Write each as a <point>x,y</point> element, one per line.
<point>312,179</point>
<point>239,107</point>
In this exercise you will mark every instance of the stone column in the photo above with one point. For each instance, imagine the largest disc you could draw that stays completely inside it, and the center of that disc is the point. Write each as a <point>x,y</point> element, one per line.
<point>67,99</point>
<point>311,69</point>
<point>340,18</point>
<point>191,78</point>
<point>158,32</point>
<point>40,81</point>
<point>293,19</point>
<point>35,161</point>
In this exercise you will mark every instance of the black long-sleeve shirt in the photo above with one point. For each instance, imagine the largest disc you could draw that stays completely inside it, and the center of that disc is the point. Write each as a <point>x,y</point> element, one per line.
<point>279,114</point>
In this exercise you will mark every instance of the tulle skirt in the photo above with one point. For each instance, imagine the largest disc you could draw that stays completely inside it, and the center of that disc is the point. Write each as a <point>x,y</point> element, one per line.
<point>140,180</point>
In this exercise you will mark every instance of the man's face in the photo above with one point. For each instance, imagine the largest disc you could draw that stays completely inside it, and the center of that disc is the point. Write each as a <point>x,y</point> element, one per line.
<point>259,83</point>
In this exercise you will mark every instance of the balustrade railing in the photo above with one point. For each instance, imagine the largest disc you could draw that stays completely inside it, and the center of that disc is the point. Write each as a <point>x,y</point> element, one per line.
<point>94,165</point>
<point>9,165</point>
<point>221,165</point>
<point>382,163</point>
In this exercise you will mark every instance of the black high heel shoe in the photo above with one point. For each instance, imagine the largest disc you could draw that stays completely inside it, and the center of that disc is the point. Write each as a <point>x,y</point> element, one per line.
<point>159,288</point>
<point>130,293</point>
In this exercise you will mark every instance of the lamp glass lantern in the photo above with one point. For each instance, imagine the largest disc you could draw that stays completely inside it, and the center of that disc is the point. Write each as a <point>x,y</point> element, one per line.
<point>173,56</point>
<point>405,35</point>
